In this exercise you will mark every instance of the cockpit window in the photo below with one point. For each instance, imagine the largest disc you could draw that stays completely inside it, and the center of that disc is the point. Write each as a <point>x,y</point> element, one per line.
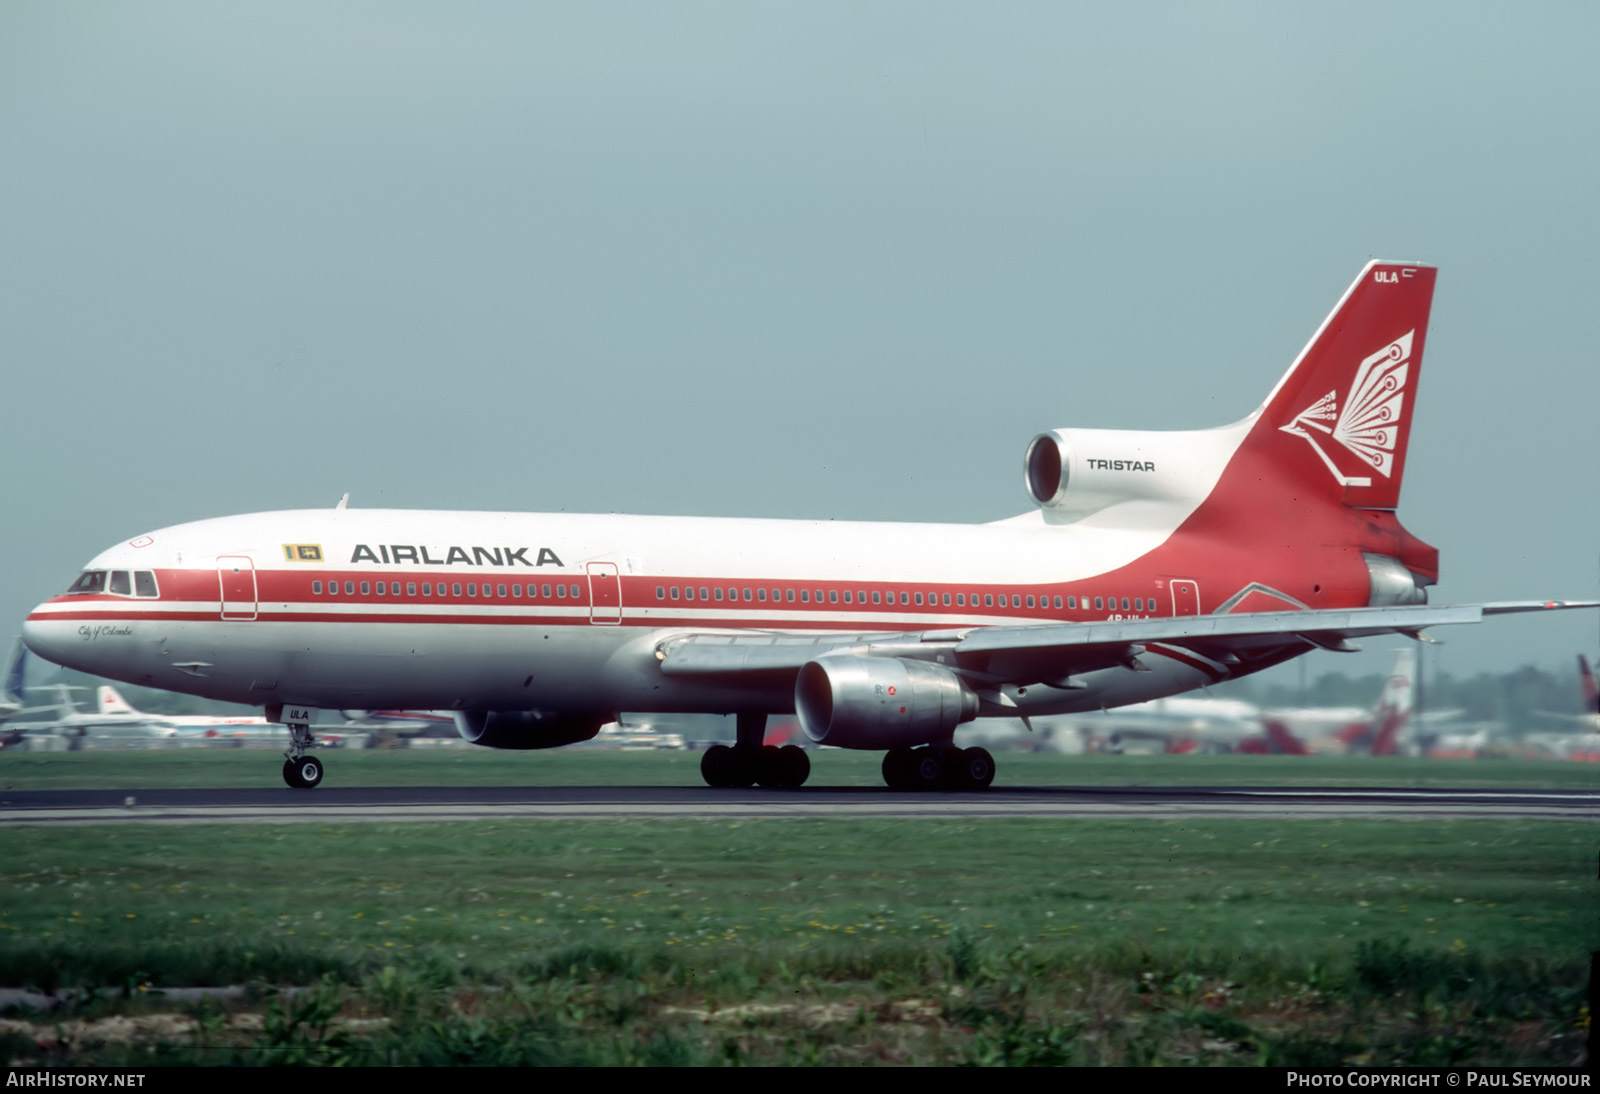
<point>90,581</point>
<point>144,583</point>
<point>120,585</point>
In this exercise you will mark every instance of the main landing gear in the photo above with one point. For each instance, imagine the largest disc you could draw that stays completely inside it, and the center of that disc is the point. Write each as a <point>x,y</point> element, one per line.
<point>750,762</point>
<point>935,768</point>
<point>300,771</point>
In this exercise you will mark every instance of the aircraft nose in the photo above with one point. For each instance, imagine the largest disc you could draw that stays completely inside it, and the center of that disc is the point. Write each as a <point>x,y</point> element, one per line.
<point>49,638</point>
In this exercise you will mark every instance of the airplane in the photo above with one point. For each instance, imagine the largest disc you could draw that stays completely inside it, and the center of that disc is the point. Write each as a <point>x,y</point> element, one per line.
<point>1589,720</point>
<point>218,727</point>
<point>1182,724</point>
<point>78,727</point>
<point>1152,563</point>
<point>1374,732</point>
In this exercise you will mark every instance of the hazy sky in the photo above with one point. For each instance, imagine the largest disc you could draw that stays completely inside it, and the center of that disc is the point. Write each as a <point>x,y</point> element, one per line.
<point>820,260</point>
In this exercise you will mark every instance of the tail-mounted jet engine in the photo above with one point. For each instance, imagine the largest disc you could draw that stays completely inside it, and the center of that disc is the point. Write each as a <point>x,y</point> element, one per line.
<point>522,729</point>
<point>880,702</point>
<point>1072,473</point>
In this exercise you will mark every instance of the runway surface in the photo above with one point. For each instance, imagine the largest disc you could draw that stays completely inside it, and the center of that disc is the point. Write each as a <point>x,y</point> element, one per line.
<point>334,804</point>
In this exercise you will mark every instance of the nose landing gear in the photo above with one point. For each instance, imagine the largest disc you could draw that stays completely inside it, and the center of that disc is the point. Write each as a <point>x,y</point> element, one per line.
<point>300,771</point>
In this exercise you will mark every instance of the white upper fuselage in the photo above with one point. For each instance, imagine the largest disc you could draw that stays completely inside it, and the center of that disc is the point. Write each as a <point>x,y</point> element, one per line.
<point>340,608</point>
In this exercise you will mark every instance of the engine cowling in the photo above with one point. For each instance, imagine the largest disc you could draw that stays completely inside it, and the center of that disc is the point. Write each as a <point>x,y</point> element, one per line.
<point>1074,472</point>
<point>523,729</point>
<point>880,702</point>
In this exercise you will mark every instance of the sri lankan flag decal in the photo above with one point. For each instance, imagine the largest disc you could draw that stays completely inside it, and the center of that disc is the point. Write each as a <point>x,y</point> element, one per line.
<point>302,552</point>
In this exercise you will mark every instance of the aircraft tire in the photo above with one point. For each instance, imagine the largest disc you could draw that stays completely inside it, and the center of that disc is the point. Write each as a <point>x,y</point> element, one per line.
<point>770,771</point>
<point>307,773</point>
<point>896,765</point>
<point>716,766</point>
<point>743,767</point>
<point>291,775</point>
<point>796,766</point>
<point>928,769</point>
<point>974,769</point>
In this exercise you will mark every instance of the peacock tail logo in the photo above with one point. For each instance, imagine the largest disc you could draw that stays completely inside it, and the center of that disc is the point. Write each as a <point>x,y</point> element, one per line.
<point>1369,424</point>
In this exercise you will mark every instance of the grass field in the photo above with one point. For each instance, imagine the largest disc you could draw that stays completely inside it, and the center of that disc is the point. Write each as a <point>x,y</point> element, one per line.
<point>145,769</point>
<point>840,941</point>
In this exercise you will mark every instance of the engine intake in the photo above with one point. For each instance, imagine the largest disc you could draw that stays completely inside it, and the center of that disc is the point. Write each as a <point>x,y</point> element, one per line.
<point>525,729</point>
<point>880,702</point>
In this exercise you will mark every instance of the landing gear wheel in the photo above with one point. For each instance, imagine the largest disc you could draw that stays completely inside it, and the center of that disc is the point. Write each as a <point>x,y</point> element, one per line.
<point>769,767</point>
<point>927,770</point>
<point>716,766</point>
<point>796,765</point>
<point>897,767</point>
<point>974,769</point>
<point>306,773</point>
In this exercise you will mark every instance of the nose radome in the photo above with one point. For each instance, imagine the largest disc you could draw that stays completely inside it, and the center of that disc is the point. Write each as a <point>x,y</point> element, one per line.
<point>47,638</point>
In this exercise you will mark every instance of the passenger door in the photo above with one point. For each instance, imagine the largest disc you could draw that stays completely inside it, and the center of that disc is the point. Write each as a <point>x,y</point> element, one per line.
<point>605,593</point>
<point>236,574</point>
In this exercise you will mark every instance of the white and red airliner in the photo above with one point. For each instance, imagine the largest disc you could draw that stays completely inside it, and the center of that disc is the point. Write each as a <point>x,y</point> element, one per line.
<point>1152,563</point>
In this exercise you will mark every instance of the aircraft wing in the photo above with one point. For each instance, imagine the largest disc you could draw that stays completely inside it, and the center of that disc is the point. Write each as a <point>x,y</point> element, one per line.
<point>1053,651</point>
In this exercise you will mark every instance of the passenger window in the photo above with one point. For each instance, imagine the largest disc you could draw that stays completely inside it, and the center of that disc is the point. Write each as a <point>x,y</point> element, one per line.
<point>705,593</point>
<point>788,595</point>
<point>120,586</point>
<point>472,588</point>
<point>411,588</point>
<point>661,591</point>
<point>455,588</point>
<point>1030,600</point>
<point>688,592</point>
<point>381,586</point>
<point>1125,604</point>
<point>316,588</point>
<point>847,599</point>
<point>905,598</point>
<point>805,596</point>
<point>761,595</point>
<point>946,599</point>
<point>516,591</point>
<point>1058,602</point>
<point>733,594</point>
<point>561,592</point>
<point>674,592</point>
<point>1099,604</point>
<point>144,583</point>
<point>961,600</point>
<point>718,592</point>
<point>1072,603</point>
<point>988,600</point>
<point>427,588</point>
<point>918,599</point>
<point>833,596</point>
<point>500,590</point>
<point>575,594</point>
<point>366,588</point>
<point>747,594</point>
<point>544,591</point>
<point>877,597</point>
<point>349,588</point>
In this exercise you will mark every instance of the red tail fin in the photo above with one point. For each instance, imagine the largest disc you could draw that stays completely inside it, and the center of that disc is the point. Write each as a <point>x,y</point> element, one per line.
<point>1338,422</point>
